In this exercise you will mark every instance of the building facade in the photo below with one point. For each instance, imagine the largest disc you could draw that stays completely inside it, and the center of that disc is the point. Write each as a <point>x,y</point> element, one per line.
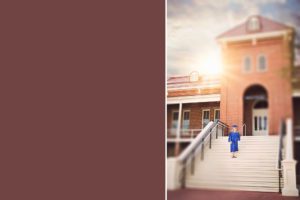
<point>259,86</point>
<point>257,61</point>
<point>192,102</point>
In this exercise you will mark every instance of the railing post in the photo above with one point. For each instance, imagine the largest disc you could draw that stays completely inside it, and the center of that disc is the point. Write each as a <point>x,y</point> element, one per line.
<point>289,164</point>
<point>210,140</point>
<point>279,180</point>
<point>222,131</point>
<point>202,149</point>
<point>193,163</point>
<point>183,173</point>
<point>179,121</point>
<point>217,131</point>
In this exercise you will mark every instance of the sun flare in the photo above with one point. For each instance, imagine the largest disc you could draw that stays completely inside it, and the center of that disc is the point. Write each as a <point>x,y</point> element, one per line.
<point>211,65</point>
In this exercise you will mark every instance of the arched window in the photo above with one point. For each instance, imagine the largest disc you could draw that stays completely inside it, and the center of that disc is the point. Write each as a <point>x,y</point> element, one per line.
<point>262,63</point>
<point>247,64</point>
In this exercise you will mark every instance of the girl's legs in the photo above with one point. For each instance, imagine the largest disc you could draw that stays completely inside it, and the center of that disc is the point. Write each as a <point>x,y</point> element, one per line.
<point>233,154</point>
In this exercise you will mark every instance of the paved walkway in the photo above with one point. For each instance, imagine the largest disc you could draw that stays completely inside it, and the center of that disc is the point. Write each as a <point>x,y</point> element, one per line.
<point>193,194</point>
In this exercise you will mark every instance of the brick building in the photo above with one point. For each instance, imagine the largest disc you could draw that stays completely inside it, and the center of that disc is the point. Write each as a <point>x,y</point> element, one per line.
<point>197,98</point>
<point>259,86</point>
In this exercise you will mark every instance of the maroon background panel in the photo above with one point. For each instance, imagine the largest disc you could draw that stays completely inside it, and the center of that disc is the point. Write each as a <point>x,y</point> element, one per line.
<point>82,100</point>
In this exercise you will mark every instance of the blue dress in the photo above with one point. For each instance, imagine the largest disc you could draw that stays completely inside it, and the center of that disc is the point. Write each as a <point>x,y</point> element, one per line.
<point>234,137</point>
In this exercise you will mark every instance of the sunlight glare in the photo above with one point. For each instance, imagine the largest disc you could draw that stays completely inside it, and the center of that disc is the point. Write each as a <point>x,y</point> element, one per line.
<point>211,65</point>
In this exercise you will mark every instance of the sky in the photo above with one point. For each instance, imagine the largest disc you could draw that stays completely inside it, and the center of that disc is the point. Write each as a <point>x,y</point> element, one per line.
<point>193,25</point>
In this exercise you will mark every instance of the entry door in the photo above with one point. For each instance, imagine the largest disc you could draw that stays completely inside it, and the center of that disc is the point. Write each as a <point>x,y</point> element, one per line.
<point>260,121</point>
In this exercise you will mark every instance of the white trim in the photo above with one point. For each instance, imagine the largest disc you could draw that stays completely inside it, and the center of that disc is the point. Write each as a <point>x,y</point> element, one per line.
<point>202,86</point>
<point>254,35</point>
<point>215,113</point>
<point>203,110</point>
<point>194,99</point>
<point>179,121</point>
<point>257,63</point>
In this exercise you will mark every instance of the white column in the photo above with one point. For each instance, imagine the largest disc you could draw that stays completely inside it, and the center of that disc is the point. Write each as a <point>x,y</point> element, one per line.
<point>173,172</point>
<point>289,140</point>
<point>289,164</point>
<point>179,120</point>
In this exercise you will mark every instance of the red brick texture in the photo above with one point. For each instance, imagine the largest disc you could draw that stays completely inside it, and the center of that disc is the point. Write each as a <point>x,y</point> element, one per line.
<point>276,80</point>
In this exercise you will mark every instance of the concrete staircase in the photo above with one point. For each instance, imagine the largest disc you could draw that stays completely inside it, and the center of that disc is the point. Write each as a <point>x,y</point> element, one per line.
<point>253,170</point>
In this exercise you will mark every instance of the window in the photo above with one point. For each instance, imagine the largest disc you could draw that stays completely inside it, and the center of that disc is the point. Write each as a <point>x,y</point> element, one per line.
<point>194,76</point>
<point>186,120</point>
<point>174,119</point>
<point>265,122</point>
<point>205,117</point>
<point>260,123</point>
<point>247,64</point>
<point>262,63</point>
<point>253,24</point>
<point>217,114</point>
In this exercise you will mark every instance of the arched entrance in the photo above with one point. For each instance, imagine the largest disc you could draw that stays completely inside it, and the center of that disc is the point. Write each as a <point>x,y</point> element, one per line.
<point>256,110</point>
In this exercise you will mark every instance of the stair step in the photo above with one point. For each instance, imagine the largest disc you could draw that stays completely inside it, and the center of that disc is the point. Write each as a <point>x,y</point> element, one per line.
<point>235,184</point>
<point>238,161</point>
<point>254,169</point>
<point>240,164</point>
<point>235,180</point>
<point>242,188</point>
<point>244,174</point>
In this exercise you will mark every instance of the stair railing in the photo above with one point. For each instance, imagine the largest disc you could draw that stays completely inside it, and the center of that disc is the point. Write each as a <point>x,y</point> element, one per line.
<point>282,133</point>
<point>244,129</point>
<point>225,128</point>
<point>197,146</point>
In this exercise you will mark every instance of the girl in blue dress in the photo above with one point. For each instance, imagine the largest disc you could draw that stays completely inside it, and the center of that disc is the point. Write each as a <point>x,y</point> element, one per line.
<point>234,137</point>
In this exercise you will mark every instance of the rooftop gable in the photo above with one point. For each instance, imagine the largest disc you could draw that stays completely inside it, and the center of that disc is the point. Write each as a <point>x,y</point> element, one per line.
<point>264,25</point>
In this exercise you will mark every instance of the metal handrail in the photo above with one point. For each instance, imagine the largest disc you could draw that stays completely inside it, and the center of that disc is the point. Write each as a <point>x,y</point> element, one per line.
<point>225,127</point>
<point>197,146</point>
<point>280,156</point>
<point>244,132</point>
<point>222,123</point>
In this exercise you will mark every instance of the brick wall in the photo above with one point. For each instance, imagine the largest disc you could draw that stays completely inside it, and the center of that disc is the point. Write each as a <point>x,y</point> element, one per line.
<point>275,80</point>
